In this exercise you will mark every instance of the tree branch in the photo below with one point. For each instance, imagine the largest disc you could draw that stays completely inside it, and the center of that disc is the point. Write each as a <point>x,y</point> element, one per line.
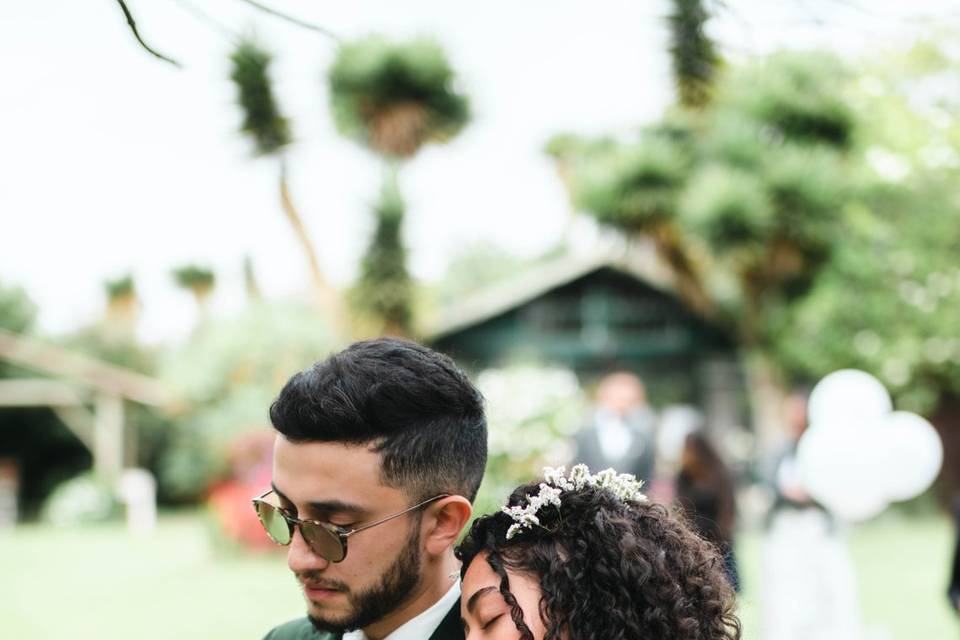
<point>133,27</point>
<point>208,20</point>
<point>292,20</point>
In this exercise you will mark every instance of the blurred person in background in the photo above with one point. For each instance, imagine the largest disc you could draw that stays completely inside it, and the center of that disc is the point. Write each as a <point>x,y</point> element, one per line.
<point>622,428</point>
<point>808,585</point>
<point>386,435</point>
<point>705,492</point>
<point>953,588</point>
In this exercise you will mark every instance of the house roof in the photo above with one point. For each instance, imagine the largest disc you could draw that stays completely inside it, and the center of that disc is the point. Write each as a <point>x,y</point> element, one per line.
<point>638,260</point>
<point>62,363</point>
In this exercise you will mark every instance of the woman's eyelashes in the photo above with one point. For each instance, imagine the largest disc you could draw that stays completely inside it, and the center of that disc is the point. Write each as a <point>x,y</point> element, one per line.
<point>484,626</point>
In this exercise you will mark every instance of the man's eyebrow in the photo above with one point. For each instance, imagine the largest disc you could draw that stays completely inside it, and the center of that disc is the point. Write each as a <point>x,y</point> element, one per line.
<point>326,506</point>
<point>472,602</point>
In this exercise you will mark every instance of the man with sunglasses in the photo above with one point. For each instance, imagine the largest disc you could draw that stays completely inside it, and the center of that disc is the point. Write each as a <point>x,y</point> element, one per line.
<point>379,453</point>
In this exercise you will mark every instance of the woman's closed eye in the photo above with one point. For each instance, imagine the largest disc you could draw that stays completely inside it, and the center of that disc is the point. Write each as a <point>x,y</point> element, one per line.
<point>486,624</point>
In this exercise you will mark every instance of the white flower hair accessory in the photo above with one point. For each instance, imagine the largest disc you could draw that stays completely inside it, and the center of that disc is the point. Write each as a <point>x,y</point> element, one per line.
<point>624,486</point>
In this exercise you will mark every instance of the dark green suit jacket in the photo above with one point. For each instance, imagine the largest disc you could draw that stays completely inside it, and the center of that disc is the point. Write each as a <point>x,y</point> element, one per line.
<point>450,629</point>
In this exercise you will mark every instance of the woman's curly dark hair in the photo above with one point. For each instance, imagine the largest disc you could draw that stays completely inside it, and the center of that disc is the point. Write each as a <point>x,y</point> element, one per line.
<point>609,570</point>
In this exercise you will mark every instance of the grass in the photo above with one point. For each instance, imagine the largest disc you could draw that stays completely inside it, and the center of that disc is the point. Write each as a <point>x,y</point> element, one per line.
<point>902,565</point>
<point>98,582</point>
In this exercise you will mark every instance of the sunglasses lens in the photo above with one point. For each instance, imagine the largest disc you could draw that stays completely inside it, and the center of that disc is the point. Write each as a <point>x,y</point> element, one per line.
<point>275,524</point>
<point>323,542</point>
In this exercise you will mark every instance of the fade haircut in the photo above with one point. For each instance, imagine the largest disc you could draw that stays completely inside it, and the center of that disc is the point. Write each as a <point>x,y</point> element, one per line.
<point>411,404</point>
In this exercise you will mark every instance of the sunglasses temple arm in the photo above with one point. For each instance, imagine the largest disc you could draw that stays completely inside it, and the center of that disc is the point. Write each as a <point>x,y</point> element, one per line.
<point>347,534</point>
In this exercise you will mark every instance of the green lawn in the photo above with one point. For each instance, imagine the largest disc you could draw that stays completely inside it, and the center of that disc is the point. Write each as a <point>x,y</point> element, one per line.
<point>902,569</point>
<point>97,582</point>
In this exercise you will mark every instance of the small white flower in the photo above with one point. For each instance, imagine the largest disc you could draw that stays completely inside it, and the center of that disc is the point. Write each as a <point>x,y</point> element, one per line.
<point>624,486</point>
<point>579,476</point>
<point>605,478</point>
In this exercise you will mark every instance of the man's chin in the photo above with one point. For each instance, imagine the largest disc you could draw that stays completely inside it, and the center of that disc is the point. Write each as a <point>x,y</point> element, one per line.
<point>325,625</point>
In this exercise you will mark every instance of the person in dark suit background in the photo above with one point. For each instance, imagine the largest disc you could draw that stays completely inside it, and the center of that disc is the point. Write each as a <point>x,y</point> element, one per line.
<point>380,450</point>
<point>622,428</point>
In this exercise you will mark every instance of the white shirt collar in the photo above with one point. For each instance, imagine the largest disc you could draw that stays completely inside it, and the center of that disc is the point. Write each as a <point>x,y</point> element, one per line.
<point>422,626</point>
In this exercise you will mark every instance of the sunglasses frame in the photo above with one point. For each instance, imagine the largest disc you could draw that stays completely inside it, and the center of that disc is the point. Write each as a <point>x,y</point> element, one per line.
<point>338,533</point>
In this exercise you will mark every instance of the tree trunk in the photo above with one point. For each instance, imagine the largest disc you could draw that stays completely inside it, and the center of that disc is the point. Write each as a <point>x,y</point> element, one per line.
<point>767,397</point>
<point>687,281</point>
<point>324,295</point>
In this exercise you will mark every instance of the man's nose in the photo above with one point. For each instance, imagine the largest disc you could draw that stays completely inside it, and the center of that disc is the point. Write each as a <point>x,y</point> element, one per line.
<point>300,557</point>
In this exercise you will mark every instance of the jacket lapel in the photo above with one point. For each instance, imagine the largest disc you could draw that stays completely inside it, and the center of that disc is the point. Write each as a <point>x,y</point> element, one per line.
<point>450,627</point>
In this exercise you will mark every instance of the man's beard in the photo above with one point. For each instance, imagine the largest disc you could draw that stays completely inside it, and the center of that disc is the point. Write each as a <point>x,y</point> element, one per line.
<point>395,585</point>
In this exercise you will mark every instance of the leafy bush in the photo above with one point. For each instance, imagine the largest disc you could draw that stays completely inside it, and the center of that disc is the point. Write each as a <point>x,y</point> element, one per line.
<point>532,412</point>
<point>81,500</point>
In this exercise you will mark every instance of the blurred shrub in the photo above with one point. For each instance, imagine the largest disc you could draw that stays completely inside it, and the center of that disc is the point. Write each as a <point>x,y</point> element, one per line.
<point>82,499</point>
<point>229,372</point>
<point>17,311</point>
<point>888,298</point>
<point>532,412</point>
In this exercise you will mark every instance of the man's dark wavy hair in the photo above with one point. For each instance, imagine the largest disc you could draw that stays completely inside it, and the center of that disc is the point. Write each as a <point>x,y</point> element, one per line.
<point>411,404</point>
<point>609,570</point>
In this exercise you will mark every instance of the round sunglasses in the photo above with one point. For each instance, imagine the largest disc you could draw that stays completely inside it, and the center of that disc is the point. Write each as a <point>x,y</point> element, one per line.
<point>326,540</point>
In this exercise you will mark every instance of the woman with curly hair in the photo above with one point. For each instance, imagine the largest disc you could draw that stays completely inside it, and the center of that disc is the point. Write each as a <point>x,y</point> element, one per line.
<point>587,557</point>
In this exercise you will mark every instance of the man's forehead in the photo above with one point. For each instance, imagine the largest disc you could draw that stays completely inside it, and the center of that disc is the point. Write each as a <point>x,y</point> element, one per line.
<point>327,471</point>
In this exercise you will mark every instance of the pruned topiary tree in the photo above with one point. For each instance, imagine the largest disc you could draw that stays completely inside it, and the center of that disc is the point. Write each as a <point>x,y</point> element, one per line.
<point>384,289</point>
<point>269,130</point>
<point>393,98</point>
<point>742,202</point>
<point>199,281</point>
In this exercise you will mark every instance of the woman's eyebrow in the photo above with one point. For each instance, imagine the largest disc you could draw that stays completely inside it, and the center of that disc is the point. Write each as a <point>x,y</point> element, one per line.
<point>472,602</point>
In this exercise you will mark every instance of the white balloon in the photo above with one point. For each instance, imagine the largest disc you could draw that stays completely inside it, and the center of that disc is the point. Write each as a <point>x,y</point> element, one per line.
<point>848,396</point>
<point>913,452</point>
<point>842,469</point>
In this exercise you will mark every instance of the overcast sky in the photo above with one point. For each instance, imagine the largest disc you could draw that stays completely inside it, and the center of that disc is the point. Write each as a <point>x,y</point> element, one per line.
<point>115,162</point>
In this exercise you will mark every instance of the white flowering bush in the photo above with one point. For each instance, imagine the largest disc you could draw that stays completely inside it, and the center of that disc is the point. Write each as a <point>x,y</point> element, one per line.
<point>80,500</point>
<point>532,413</point>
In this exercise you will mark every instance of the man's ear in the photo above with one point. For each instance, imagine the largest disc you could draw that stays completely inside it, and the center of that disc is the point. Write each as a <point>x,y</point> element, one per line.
<point>443,523</point>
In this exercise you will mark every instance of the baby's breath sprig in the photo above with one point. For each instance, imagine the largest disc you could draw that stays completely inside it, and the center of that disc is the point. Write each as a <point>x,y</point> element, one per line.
<point>624,486</point>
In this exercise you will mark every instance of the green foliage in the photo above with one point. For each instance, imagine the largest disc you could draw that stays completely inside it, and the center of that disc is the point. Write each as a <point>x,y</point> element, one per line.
<point>17,311</point>
<point>631,186</point>
<point>384,290</point>
<point>692,53</point>
<point>567,145</point>
<point>728,207</point>
<point>533,410</point>
<point>888,299</point>
<point>395,96</point>
<point>194,277</point>
<point>262,119</point>
<point>474,267</point>
<point>120,288</point>
<point>799,97</point>
<point>229,373</point>
<point>748,193</point>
